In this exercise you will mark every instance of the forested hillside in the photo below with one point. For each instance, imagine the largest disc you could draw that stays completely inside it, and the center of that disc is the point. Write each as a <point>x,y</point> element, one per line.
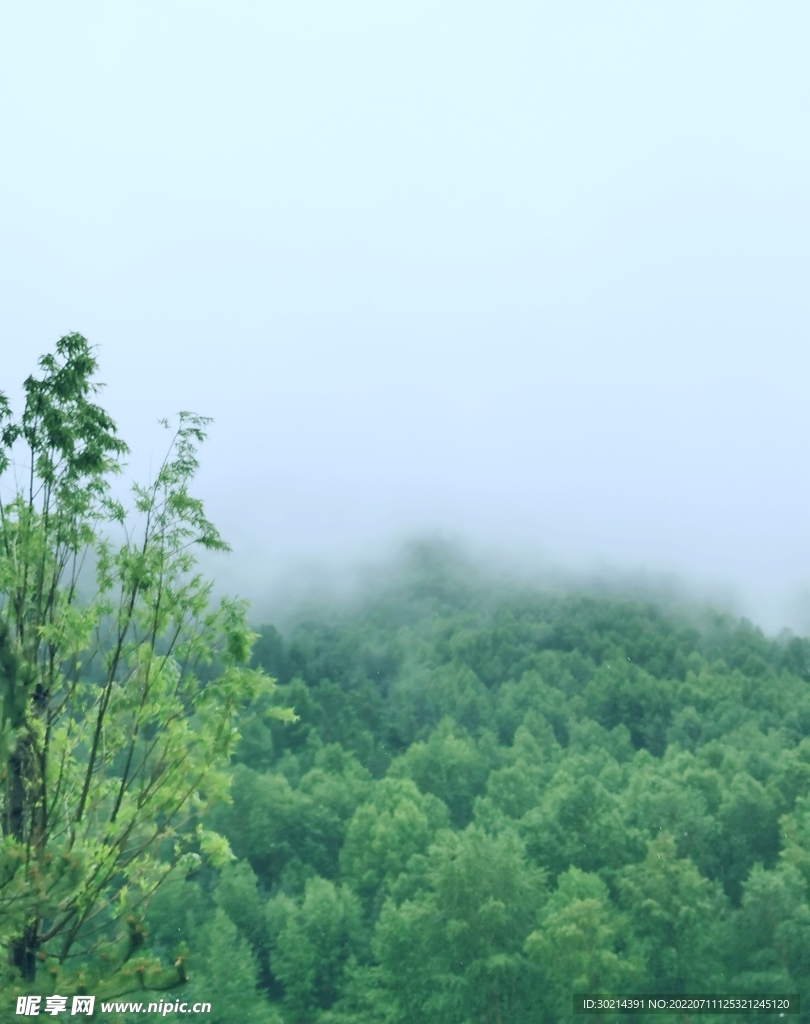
<point>494,797</point>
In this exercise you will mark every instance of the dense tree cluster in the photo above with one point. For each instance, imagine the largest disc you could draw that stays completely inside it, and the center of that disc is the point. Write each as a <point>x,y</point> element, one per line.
<point>493,798</point>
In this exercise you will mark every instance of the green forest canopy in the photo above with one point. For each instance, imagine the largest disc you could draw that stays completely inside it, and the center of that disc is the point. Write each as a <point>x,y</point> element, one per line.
<point>491,796</point>
<point>495,797</point>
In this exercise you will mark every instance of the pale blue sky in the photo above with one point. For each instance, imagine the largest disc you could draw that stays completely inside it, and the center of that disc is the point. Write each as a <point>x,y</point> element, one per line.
<point>534,274</point>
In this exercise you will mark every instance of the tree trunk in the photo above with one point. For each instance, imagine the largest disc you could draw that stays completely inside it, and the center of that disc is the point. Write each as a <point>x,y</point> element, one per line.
<point>15,795</point>
<point>23,952</point>
<point>23,949</point>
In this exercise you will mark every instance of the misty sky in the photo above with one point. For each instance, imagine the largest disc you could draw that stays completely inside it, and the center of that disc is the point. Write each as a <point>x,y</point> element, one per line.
<point>530,274</point>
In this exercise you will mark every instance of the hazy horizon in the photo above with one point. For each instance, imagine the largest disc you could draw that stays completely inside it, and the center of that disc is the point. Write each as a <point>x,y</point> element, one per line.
<point>531,277</point>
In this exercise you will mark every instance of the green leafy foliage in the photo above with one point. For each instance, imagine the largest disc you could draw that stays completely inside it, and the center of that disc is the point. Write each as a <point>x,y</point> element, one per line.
<point>312,941</point>
<point>120,687</point>
<point>490,798</point>
<point>582,943</point>
<point>397,823</point>
<point>553,794</point>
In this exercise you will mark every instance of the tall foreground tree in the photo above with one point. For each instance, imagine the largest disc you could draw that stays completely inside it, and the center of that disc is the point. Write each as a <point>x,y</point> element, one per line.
<point>119,685</point>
